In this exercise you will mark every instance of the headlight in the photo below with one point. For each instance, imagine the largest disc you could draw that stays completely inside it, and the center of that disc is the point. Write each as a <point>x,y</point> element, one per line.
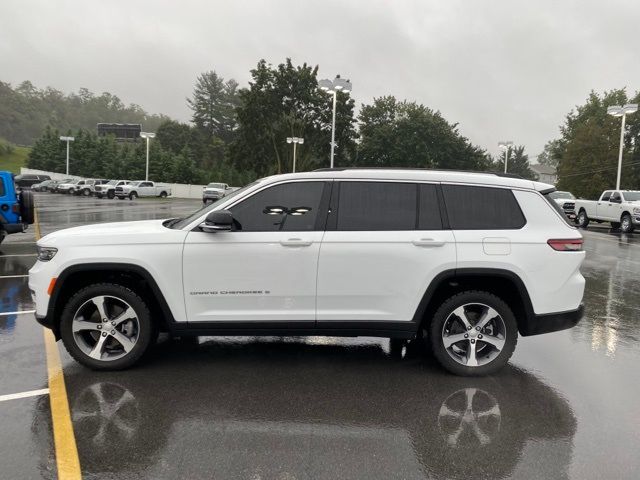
<point>46,253</point>
<point>636,211</point>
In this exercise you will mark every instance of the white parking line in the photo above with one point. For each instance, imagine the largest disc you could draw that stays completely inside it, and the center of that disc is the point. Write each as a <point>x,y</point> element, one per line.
<point>14,276</point>
<point>30,393</point>
<point>20,255</point>
<point>4,314</point>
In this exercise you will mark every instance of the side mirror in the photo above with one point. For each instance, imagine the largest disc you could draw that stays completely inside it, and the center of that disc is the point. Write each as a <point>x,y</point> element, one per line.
<point>220,220</point>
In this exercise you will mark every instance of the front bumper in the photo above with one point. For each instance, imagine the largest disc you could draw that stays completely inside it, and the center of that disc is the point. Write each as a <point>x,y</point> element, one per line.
<point>552,322</point>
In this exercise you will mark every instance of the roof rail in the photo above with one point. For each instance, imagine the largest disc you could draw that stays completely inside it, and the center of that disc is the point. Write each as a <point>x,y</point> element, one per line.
<point>497,174</point>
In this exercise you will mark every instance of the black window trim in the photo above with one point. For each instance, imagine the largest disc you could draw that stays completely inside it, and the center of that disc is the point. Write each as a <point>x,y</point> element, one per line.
<point>321,219</point>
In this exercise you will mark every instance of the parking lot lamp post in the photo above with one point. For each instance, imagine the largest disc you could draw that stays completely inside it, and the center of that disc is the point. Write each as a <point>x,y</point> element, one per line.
<point>621,111</point>
<point>333,87</point>
<point>505,146</point>
<point>67,139</point>
<point>148,136</point>
<point>295,141</point>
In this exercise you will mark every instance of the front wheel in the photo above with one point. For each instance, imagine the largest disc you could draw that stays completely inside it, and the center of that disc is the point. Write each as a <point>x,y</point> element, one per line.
<point>133,196</point>
<point>163,194</point>
<point>583,219</point>
<point>473,333</point>
<point>98,195</point>
<point>86,192</point>
<point>626,224</point>
<point>106,326</point>
<point>110,195</point>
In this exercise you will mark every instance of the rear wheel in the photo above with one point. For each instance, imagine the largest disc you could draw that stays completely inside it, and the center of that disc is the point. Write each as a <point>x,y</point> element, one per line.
<point>86,192</point>
<point>583,219</point>
<point>626,223</point>
<point>111,194</point>
<point>133,196</point>
<point>98,195</point>
<point>473,333</point>
<point>107,326</point>
<point>163,194</point>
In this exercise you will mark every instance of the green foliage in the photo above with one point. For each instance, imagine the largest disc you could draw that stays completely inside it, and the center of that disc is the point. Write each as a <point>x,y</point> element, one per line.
<point>517,163</point>
<point>587,151</point>
<point>551,153</point>
<point>12,157</point>
<point>406,134</point>
<point>214,103</point>
<point>285,101</point>
<point>25,111</point>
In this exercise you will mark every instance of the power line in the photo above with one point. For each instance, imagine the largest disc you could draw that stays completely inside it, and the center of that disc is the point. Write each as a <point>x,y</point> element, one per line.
<point>600,170</point>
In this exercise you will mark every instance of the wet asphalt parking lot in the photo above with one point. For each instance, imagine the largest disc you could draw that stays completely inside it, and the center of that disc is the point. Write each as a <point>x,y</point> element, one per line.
<point>312,408</point>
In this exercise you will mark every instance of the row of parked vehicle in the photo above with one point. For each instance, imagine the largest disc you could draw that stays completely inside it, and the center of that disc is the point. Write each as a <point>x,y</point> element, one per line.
<point>104,188</point>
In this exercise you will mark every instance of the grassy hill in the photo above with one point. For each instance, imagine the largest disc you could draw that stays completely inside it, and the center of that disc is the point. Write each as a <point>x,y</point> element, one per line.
<point>14,160</point>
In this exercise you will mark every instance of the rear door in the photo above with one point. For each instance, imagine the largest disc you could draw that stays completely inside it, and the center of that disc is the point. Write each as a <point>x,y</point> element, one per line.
<point>384,243</point>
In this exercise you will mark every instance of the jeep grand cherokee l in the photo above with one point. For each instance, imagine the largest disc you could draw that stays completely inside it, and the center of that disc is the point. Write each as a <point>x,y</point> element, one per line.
<point>463,261</point>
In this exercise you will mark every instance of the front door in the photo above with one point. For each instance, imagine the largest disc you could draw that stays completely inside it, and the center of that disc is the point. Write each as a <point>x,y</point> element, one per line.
<point>266,268</point>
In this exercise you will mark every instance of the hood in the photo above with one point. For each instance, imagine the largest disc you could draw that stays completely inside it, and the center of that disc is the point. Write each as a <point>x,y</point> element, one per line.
<point>120,233</point>
<point>562,201</point>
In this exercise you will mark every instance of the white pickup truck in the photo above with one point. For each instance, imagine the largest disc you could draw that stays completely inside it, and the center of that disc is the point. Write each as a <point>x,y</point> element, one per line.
<point>619,207</point>
<point>142,188</point>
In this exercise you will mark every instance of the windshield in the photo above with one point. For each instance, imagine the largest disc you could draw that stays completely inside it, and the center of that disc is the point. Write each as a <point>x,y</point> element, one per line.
<point>112,182</point>
<point>215,185</point>
<point>135,184</point>
<point>631,196</point>
<point>556,195</point>
<point>187,220</point>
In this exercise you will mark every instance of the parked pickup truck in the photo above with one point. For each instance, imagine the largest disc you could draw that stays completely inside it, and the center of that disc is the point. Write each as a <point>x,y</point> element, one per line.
<point>142,189</point>
<point>109,189</point>
<point>215,191</point>
<point>619,207</point>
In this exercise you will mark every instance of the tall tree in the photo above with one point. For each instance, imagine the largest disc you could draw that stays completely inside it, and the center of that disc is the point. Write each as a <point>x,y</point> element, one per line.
<point>551,153</point>
<point>587,150</point>
<point>213,104</point>
<point>517,162</point>
<point>285,101</point>
<point>407,134</point>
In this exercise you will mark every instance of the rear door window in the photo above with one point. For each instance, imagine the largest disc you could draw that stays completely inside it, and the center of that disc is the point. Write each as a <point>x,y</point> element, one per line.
<point>376,206</point>
<point>482,208</point>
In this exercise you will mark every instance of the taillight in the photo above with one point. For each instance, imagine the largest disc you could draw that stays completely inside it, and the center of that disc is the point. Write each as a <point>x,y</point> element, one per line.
<point>15,208</point>
<point>569,245</point>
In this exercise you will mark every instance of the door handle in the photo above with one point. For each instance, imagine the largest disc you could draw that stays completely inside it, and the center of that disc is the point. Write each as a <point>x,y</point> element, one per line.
<point>295,242</point>
<point>428,242</point>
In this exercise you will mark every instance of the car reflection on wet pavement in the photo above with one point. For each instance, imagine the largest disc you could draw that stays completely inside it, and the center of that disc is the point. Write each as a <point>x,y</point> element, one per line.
<point>311,408</point>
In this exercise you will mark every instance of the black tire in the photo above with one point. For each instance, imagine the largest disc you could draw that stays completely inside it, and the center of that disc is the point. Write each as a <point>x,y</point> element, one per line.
<point>86,192</point>
<point>111,194</point>
<point>583,219</point>
<point>98,195</point>
<point>626,223</point>
<point>147,331</point>
<point>133,196</point>
<point>446,310</point>
<point>2,235</point>
<point>163,194</point>
<point>27,207</point>
<point>120,198</point>
<point>615,225</point>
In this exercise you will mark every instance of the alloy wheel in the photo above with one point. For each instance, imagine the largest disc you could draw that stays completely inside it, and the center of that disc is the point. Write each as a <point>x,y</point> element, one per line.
<point>474,334</point>
<point>105,328</point>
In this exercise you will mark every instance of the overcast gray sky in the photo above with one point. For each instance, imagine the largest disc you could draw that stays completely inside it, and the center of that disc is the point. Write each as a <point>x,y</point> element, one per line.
<point>501,69</point>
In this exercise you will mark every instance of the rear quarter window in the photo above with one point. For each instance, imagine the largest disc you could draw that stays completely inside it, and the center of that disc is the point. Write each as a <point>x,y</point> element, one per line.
<point>482,208</point>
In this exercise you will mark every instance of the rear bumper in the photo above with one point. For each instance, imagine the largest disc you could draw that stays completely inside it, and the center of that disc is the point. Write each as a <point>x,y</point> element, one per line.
<point>13,227</point>
<point>552,322</point>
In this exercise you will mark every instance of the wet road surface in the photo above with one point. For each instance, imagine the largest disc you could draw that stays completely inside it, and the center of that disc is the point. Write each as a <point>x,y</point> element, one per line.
<point>283,408</point>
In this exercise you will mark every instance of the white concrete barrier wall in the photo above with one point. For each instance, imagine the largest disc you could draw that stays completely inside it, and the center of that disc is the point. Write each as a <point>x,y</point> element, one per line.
<point>178,190</point>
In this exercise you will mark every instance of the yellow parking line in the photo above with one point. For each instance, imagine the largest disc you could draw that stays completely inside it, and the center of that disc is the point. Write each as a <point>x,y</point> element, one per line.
<point>64,440</point>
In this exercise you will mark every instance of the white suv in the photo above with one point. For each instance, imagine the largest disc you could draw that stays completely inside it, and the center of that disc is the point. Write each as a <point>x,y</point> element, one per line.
<point>462,260</point>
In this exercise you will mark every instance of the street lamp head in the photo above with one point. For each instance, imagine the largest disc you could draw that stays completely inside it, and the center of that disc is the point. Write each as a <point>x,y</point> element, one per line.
<point>325,85</point>
<point>505,145</point>
<point>67,139</point>
<point>616,111</point>
<point>147,135</point>
<point>300,140</point>
<point>630,108</point>
<point>342,84</point>
<point>289,139</point>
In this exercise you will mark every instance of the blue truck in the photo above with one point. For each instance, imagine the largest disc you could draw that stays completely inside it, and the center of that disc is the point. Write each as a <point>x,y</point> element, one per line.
<point>16,206</point>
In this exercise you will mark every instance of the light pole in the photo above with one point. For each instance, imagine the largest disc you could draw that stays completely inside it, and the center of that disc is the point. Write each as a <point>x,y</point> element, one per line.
<point>505,146</point>
<point>337,85</point>
<point>295,141</point>
<point>148,136</point>
<point>67,139</point>
<point>621,111</point>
